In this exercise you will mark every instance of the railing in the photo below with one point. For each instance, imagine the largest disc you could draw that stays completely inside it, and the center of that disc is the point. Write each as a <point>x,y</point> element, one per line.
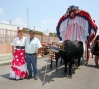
<point>6,37</point>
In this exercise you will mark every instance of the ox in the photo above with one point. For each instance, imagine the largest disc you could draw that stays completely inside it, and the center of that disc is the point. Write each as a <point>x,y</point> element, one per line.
<point>72,50</point>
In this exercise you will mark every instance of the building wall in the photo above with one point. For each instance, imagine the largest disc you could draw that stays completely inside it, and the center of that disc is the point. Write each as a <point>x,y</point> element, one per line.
<point>8,26</point>
<point>5,48</point>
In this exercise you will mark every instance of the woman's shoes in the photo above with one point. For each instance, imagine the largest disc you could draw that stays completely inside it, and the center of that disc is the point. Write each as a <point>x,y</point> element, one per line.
<point>12,78</point>
<point>19,79</point>
<point>16,79</point>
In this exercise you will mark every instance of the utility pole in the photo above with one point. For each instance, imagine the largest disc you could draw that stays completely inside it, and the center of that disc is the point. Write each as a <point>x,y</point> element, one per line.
<point>27,18</point>
<point>10,22</point>
<point>53,36</point>
<point>47,34</point>
<point>47,30</point>
<point>34,28</point>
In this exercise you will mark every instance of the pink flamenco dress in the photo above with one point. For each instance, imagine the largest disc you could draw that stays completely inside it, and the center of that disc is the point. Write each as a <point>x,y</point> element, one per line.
<point>18,65</point>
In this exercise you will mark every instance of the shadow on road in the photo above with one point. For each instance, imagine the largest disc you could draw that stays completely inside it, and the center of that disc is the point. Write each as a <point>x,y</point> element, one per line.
<point>6,76</point>
<point>53,73</point>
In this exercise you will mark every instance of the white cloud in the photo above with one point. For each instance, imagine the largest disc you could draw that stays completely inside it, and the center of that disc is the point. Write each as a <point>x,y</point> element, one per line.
<point>19,22</point>
<point>3,21</point>
<point>1,10</point>
<point>48,21</point>
<point>49,24</point>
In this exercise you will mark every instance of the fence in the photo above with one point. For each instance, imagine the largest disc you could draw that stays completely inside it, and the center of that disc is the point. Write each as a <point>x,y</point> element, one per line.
<point>6,37</point>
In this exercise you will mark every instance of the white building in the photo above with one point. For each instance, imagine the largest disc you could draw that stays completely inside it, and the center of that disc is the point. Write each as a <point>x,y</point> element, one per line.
<point>8,26</point>
<point>7,29</point>
<point>7,32</point>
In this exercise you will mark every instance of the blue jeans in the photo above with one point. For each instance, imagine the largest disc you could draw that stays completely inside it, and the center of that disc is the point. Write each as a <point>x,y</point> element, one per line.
<point>30,59</point>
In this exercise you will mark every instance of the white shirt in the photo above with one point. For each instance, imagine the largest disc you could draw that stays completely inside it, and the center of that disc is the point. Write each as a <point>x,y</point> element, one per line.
<point>18,42</point>
<point>33,46</point>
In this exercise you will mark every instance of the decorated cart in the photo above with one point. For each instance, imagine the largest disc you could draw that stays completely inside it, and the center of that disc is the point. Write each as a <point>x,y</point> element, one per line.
<point>77,24</point>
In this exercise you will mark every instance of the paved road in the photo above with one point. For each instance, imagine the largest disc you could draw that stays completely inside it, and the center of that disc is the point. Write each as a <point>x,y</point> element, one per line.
<point>85,78</point>
<point>6,59</point>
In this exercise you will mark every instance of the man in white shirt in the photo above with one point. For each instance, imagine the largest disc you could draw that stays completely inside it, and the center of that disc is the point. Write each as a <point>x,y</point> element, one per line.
<point>32,49</point>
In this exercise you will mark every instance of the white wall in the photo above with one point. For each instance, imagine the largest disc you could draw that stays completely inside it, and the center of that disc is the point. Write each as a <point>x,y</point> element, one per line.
<point>12,29</point>
<point>8,26</point>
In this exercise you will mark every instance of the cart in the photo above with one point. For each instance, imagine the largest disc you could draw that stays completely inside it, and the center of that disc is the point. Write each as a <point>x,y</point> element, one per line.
<point>77,24</point>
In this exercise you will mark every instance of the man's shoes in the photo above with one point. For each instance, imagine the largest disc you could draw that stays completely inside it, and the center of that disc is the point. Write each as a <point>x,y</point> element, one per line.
<point>96,65</point>
<point>29,77</point>
<point>36,77</point>
<point>86,63</point>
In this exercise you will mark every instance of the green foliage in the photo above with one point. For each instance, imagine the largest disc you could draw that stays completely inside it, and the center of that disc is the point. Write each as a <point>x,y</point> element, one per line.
<point>26,30</point>
<point>38,33</point>
<point>41,33</point>
<point>53,34</point>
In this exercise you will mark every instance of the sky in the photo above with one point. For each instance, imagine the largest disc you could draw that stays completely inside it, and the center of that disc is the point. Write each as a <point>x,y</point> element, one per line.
<point>43,14</point>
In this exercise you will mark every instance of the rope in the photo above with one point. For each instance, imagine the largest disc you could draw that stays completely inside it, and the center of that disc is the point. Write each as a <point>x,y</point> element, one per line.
<point>47,64</point>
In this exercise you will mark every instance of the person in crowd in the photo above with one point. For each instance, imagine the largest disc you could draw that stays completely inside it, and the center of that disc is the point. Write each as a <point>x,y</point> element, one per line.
<point>96,50</point>
<point>92,48</point>
<point>32,49</point>
<point>18,65</point>
<point>43,49</point>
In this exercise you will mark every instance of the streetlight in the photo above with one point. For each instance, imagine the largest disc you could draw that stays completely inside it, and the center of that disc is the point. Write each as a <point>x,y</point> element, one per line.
<point>27,18</point>
<point>10,22</point>
<point>34,28</point>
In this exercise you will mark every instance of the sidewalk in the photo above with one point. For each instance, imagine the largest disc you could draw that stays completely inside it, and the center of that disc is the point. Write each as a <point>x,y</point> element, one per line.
<point>6,59</point>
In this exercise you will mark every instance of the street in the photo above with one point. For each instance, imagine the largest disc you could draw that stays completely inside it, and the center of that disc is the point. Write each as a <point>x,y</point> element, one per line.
<point>85,78</point>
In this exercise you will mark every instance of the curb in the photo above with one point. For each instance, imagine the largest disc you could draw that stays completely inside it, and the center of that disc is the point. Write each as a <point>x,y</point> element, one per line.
<point>9,62</point>
<point>5,63</point>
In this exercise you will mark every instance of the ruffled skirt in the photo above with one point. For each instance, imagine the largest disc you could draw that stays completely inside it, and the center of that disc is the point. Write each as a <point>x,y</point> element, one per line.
<point>18,66</point>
